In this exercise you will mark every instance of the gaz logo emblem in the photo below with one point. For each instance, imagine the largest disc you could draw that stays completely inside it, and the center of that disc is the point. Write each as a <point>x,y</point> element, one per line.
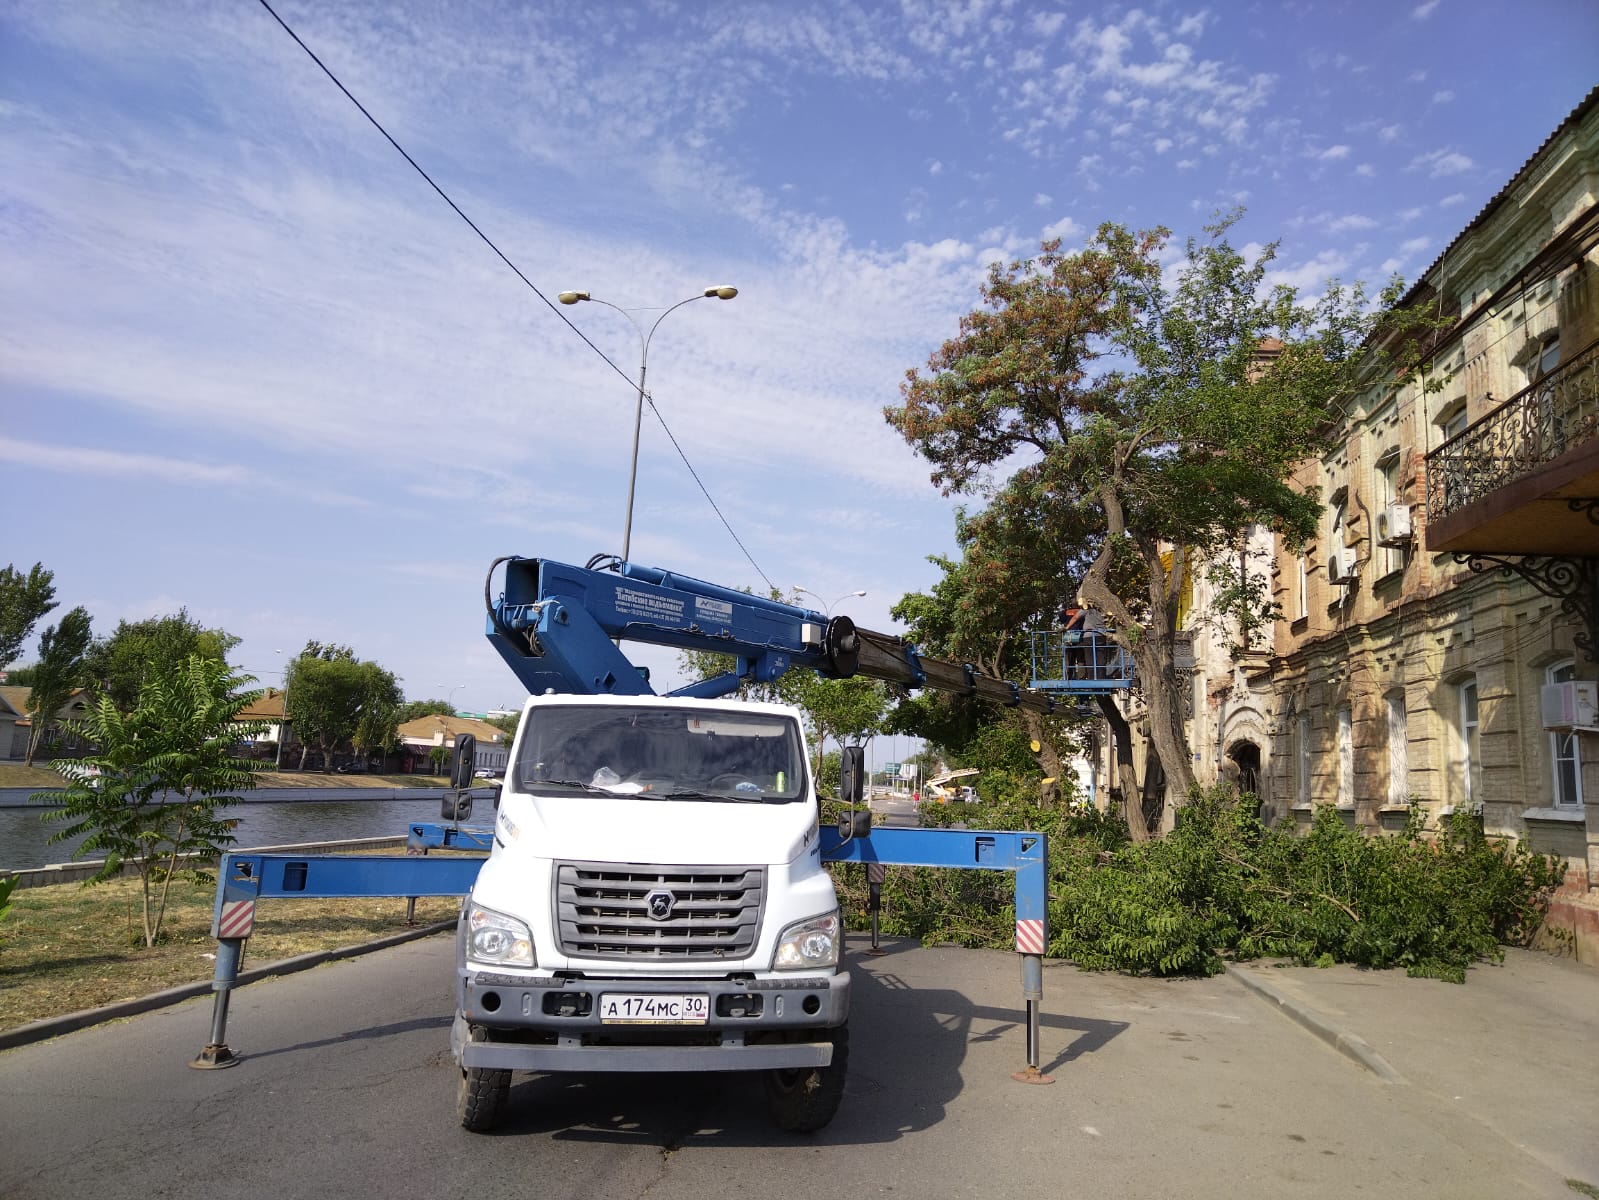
<point>659,905</point>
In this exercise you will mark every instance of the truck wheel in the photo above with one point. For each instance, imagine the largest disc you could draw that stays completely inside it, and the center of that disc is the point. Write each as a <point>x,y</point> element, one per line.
<point>482,1094</point>
<point>481,1098</point>
<point>805,1099</point>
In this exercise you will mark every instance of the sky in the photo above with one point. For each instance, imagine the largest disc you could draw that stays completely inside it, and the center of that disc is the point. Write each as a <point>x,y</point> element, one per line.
<point>253,366</point>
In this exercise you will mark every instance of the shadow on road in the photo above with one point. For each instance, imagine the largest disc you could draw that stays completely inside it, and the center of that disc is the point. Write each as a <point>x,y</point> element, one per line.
<point>909,1047</point>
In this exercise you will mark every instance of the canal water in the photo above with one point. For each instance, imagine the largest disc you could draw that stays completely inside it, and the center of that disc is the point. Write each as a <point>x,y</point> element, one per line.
<point>24,844</point>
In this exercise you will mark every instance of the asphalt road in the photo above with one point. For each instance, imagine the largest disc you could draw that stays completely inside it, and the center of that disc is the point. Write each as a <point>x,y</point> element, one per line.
<point>1193,1088</point>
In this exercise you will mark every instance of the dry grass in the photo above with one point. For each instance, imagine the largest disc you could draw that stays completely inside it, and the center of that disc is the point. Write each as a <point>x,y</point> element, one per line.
<point>70,947</point>
<point>15,775</point>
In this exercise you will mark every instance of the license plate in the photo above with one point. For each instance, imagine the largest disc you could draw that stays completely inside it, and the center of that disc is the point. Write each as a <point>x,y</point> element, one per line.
<point>625,1008</point>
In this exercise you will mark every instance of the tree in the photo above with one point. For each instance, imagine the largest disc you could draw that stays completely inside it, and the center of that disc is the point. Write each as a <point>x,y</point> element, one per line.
<point>62,649</point>
<point>121,662</point>
<point>153,793</point>
<point>337,699</point>
<point>1150,418</point>
<point>23,600</point>
<point>413,709</point>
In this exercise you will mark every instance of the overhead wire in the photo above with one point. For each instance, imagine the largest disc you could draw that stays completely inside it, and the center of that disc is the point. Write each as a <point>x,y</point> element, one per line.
<point>501,255</point>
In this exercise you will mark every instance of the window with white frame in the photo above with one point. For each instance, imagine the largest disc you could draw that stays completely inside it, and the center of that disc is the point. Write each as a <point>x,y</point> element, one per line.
<point>1466,780</point>
<point>1398,752</point>
<point>1346,759</point>
<point>1565,754</point>
<point>1303,610</point>
<point>1302,762</point>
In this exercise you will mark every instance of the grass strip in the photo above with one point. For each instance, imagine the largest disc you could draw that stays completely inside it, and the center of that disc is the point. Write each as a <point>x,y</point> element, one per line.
<point>70,947</point>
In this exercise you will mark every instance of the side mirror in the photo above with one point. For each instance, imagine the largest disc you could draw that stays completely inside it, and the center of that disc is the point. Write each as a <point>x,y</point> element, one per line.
<point>855,824</point>
<point>465,761</point>
<point>852,775</point>
<point>457,806</point>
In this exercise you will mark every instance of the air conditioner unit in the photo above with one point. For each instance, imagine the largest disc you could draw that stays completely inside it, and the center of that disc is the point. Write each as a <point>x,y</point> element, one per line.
<point>1570,705</point>
<point>1341,564</point>
<point>1393,525</point>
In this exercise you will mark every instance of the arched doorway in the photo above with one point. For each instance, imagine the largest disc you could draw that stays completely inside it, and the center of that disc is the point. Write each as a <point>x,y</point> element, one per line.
<point>1246,757</point>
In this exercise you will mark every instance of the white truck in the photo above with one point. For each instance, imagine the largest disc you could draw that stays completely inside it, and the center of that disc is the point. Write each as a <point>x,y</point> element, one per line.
<point>654,900</point>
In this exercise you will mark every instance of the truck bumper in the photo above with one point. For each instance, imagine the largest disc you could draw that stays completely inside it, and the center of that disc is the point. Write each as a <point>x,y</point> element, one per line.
<point>553,1025</point>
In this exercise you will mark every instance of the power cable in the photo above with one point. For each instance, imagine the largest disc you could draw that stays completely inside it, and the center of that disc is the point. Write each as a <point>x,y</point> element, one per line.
<point>500,254</point>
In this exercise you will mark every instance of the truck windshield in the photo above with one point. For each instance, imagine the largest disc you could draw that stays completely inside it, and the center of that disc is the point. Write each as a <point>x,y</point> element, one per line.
<point>664,753</point>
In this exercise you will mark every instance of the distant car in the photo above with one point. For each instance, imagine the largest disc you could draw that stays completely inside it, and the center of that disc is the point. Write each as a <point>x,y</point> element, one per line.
<point>350,768</point>
<point>484,773</point>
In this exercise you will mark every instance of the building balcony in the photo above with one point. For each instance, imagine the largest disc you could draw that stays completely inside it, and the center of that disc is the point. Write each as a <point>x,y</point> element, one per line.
<point>1525,478</point>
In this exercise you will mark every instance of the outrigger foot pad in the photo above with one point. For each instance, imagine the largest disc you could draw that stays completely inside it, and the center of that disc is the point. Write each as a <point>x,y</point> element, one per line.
<point>1032,1075</point>
<point>214,1058</point>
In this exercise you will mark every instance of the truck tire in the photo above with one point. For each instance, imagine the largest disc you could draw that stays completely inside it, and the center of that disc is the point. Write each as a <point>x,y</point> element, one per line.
<point>805,1099</point>
<point>482,1095</point>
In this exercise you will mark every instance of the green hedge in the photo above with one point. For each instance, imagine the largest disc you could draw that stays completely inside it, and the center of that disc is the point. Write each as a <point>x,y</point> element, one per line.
<point>1222,885</point>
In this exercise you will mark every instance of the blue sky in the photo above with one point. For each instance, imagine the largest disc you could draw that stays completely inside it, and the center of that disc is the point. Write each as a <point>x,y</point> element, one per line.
<point>250,364</point>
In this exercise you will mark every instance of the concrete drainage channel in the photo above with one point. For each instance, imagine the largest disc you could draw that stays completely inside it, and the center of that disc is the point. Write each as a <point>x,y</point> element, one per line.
<point>1346,1043</point>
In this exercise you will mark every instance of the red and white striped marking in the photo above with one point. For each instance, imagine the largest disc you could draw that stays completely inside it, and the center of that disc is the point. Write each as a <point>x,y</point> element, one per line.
<point>876,872</point>
<point>1029,937</point>
<point>238,918</point>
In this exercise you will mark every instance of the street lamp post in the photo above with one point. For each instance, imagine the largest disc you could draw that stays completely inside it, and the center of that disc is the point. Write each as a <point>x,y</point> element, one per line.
<point>724,292</point>
<point>827,611</point>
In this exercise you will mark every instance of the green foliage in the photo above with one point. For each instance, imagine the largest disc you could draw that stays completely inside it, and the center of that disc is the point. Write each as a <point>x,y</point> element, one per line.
<point>7,886</point>
<point>60,670</point>
<point>337,700</point>
<point>1222,884</point>
<point>413,709</point>
<point>122,662</point>
<point>153,793</point>
<point>23,600</point>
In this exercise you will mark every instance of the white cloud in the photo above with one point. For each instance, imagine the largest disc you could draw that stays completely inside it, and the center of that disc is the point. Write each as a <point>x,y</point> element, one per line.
<point>1063,229</point>
<point>1161,145</point>
<point>935,167</point>
<point>1352,221</point>
<point>1333,153</point>
<point>1042,200</point>
<point>1415,245</point>
<point>1423,10</point>
<point>1439,163</point>
<point>1048,24</point>
<point>1366,171</point>
<point>1388,133</point>
<point>1453,199</point>
<point>1443,97</point>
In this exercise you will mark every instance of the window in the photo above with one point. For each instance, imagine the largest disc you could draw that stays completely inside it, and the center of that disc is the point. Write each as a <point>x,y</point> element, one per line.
<point>1466,780</point>
<point>1346,761</point>
<point>1302,761</point>
<point>1303,610</point>
<point>1564,753</point>
<point>1455,424</point>
<point>1548,356</point>
<point>1389,558</point>
<point>1398,752</point>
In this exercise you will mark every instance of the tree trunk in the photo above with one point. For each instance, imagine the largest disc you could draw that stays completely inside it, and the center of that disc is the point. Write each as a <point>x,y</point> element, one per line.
<point>1048,756</point>
<point>1126,775</point>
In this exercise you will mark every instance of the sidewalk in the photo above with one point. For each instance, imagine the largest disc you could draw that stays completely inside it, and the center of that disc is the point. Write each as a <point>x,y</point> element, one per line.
<point>1516,1047</point>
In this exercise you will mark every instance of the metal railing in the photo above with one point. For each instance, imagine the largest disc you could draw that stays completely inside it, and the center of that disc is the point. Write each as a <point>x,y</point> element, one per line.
<point>1535,426</point>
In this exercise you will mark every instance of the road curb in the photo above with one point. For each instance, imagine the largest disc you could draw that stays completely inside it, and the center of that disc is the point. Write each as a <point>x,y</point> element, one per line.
<point>39,1031</point>
<point>1348,1044</point>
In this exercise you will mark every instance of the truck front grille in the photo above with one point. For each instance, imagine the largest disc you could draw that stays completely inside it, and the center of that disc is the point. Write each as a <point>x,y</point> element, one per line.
<point>604,910</point>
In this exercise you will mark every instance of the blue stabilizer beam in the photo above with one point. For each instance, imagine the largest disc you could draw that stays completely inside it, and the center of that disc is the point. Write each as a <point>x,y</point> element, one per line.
<point>327,875</point>
<point>424,836</point>
<point>1025,853</point>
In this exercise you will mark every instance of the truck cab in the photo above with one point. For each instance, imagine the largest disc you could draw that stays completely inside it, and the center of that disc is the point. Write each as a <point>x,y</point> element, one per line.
<point>654,900</point>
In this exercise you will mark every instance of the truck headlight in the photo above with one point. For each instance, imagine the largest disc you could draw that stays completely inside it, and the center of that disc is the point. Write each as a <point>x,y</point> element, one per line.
<point>810,943</point>
<point>494,937</point>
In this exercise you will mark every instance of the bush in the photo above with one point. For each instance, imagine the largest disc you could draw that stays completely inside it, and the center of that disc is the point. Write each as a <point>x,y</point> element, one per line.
<point>1222,885</point>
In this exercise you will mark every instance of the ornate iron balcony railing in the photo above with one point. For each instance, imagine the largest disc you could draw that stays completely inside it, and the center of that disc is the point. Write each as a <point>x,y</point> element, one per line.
<point>1535,426</point>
